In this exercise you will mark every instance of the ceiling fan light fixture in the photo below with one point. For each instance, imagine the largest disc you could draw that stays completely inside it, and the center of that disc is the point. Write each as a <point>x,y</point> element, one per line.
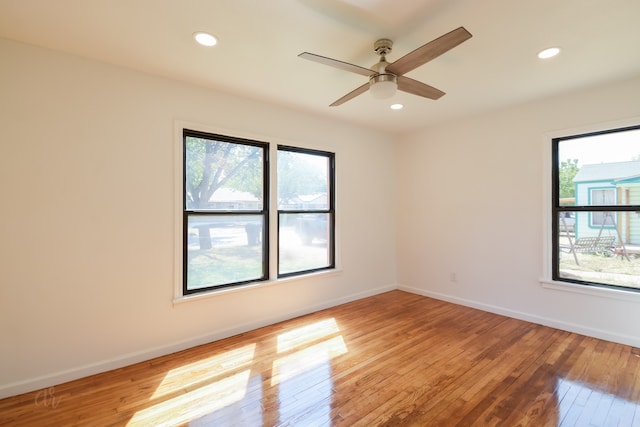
<point>383,86</point>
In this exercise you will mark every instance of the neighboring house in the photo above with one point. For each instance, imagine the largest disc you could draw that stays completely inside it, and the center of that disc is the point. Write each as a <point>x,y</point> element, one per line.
<point>308,202</point>
<point>608,184</point>
<point>227,199</point>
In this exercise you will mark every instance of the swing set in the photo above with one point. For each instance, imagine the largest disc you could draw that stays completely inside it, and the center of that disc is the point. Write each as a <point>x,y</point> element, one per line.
<point>600,244</point>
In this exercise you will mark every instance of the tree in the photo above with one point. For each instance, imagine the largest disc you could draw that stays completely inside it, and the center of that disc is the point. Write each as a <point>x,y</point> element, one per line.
<point>300,174</point>
<point>211,165</point>
<point>567,172</point>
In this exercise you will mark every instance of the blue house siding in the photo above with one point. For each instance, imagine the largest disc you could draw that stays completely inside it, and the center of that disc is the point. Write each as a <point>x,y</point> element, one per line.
<point>584,226</point>
<point>624,179</point>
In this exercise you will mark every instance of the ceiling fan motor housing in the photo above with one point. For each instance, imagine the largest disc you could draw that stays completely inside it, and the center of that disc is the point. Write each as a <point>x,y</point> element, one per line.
<point>377,78</point>
<point>382,47</point>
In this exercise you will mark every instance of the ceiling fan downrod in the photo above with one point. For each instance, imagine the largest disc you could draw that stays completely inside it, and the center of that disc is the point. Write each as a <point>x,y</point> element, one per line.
<point>382,84</point>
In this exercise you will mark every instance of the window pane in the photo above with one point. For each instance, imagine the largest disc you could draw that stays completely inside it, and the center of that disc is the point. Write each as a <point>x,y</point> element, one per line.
<point>601,169</point>
<point>304,242</point>
<point>224,249</point>
<point>303,181</point>
<point>222,176</point>
<point>600,254</point>
<point>603,219</point>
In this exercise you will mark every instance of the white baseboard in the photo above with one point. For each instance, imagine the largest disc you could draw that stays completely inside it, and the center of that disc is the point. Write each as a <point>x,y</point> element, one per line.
<point>545,321</point>
<point>50,380</point>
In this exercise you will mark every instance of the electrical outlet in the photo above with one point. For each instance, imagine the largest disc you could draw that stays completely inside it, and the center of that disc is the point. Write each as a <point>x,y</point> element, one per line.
<point>453,277</point>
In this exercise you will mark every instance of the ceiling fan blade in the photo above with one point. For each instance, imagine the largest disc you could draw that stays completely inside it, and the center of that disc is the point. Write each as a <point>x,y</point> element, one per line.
<point>337,64</point>
<point>415,87</point>
<point>429,51</point>
<point>351,95</point>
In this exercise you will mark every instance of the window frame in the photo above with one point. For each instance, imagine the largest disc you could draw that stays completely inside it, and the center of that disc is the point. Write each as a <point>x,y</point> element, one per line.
<point>179,296</point>
<point>330,211</point>
<point>557,209</point>
<point>187,213</point>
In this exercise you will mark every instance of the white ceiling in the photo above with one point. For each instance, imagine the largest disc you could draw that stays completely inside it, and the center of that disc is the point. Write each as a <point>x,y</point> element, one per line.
<point>260,40</point>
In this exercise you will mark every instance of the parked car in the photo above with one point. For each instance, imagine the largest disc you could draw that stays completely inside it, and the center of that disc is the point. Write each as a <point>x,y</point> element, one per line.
<point>312,227</point>
<point>567,222</point>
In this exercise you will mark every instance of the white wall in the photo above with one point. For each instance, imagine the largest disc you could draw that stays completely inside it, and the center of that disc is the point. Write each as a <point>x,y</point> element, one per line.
<point>87,225</point>
<point>472,203</point>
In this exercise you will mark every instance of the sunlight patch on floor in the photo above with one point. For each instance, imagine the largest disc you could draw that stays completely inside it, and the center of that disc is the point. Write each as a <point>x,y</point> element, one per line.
<point>189,375</point>
<point>307,334</point>
<point>194,404</point>
<point>297,363</point>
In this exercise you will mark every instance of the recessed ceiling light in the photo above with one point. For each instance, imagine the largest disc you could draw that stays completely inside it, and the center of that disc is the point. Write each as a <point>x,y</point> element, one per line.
<point>205,39</point>
<point>549,53</point>
<point>396,106</point>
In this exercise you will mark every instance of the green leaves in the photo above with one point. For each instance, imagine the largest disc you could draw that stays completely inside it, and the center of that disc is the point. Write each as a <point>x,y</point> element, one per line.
<point>211,165</point>
<point>567,172</point>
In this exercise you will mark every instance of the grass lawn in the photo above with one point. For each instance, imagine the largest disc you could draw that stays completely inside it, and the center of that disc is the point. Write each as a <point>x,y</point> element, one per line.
<point>612,270</point>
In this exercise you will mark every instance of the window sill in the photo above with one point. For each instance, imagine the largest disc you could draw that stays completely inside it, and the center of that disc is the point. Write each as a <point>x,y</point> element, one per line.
<point>619,294</point>
<point>180,299</point>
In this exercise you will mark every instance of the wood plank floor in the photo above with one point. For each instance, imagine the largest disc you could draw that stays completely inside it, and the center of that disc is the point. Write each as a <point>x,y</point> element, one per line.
<point>392,359</point>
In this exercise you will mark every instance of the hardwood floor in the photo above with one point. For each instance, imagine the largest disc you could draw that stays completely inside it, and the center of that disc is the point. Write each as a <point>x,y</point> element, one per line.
<point>392,359</point>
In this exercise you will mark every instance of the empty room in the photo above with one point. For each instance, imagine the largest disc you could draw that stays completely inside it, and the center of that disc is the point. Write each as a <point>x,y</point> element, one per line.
<point>320,212</point>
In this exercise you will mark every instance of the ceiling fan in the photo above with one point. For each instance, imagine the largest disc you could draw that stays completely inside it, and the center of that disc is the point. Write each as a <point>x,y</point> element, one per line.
<point>385,77</point>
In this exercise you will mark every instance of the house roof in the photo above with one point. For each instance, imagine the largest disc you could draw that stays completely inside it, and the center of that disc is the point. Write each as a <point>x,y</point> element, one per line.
<point>608,171</point>
<point>229,195</point>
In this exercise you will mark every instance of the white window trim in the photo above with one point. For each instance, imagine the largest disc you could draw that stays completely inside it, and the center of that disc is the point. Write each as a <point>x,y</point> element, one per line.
<point>601,292</point>
<point>178,296</point>
<point>179,299</point>
<point>545,280</point>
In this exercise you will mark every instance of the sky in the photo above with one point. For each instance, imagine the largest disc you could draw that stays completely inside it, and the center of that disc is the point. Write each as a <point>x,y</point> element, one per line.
<point>607,148</point>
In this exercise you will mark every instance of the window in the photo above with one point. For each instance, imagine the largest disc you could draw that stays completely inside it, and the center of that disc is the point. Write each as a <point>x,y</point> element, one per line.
<point>596,208</point>
<point>226,209</point>
<point>225,215</point>
<point>603,197</point>
<point>305,211</point>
